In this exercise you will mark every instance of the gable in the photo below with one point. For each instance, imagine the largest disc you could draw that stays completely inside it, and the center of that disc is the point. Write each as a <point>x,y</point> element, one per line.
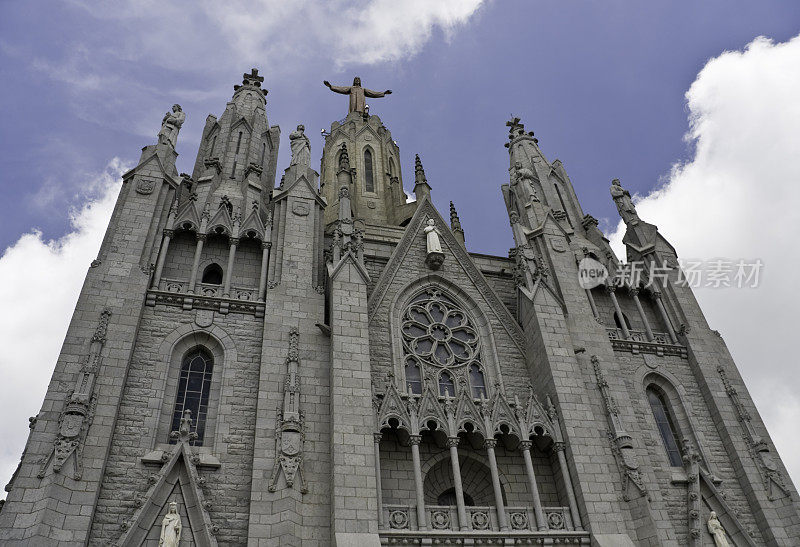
<point>407,264</point>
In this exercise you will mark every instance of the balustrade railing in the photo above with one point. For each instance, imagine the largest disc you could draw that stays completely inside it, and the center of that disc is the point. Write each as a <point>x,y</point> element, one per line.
<point>175,292</point>
<point>480,519</point>
<point>637,341</point>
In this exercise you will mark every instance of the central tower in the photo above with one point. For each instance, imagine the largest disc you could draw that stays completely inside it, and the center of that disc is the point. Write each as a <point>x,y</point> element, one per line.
<point>376,188</point>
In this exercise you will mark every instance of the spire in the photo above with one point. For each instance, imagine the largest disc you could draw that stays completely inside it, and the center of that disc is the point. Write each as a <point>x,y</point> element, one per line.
<point>421,186</point>
<point>455,224</point>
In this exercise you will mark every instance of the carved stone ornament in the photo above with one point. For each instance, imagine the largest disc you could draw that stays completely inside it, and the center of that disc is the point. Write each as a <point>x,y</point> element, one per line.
<point>621,442</point>
<point>74,421</point>
<point>300,208</point>
<point>290,428</point>
<point>145,186</point>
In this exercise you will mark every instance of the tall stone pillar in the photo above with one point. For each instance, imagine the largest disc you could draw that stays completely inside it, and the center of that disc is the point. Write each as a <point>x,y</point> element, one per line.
<point>285,509</point>
<point>53,495</point>
<point>353,484</point>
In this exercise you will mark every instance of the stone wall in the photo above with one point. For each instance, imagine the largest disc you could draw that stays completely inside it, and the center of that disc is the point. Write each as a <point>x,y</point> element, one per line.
<point>140,414</point>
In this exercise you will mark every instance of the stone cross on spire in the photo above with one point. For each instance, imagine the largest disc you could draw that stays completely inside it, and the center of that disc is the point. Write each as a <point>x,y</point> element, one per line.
<point>252,79</point>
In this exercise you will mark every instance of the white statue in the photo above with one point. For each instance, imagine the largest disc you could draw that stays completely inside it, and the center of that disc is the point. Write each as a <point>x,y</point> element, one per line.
<point>170,125</point>
<point>301,147</point>
<point>715,529</point>
<point>171,527</point>
<point>432,237</point>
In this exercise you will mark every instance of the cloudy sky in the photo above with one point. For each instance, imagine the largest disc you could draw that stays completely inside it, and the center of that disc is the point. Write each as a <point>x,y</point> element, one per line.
<point>695,106</point>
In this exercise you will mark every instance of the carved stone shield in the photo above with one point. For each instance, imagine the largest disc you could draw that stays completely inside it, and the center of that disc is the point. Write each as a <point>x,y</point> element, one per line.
<point>71,425</point>
<point>290,443</point>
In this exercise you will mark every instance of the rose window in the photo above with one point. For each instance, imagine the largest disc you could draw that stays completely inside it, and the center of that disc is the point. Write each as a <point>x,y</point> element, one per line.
<point>438,332</point>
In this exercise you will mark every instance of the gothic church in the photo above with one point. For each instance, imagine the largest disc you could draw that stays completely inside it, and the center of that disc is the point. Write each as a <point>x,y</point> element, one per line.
<point>323,362</point>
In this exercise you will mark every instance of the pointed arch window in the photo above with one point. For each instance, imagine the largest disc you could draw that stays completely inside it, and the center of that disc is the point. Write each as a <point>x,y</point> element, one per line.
<point>666,425</point>
<point>447,387</point>
<point>369,181</point>
<point>263,153</point>
<point>194,388</point>
<point>213,144</point>
<point>391,167</point>
<point>477,382</point>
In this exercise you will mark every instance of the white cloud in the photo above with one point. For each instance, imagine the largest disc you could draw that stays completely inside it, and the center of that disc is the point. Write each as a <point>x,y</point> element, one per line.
<point>739,197</point>
<point>39,285</point>
<point>278,32</point>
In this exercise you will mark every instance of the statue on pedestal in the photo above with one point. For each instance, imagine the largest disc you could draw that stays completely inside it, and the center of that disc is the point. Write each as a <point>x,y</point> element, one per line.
<point>171,527</point>
<point>170,125</point>
<point>301,147</point>
<point>435,255</point>
<point>357,94</point>
<point>624,204</point>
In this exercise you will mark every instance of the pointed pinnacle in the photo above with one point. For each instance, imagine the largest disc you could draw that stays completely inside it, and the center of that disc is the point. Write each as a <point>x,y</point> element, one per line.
<point>455,223</point>
<point>344,159</point>
<point>419,172</point>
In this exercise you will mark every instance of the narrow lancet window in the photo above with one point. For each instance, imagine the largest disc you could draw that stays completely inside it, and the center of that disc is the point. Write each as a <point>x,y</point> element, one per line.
<point>413,377</point>
<point>666,425</point>
<point>446,385</point>
<point>213,144</point>
<point>369,181</point>
<point>477,382</point>
<point>194,388</point>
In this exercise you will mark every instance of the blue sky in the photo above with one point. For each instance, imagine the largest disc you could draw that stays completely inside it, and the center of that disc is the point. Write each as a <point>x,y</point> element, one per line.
<point>603,85</point>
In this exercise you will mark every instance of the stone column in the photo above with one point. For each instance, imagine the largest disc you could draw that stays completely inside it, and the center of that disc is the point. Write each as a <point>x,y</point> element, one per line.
<point>592,303</point>
<point>226,292</point>
<point>198,252</point>
<point>421,520</point>
<point>664,317</point>
<point>498,492</point>
<point>525,446</point>
<point>452,442</point>
<point>162,256</point>
<point>611,290</point>
<point>648,331</point>
<point>262,278</point>
<point>560,447</point>
<point>377,438</point>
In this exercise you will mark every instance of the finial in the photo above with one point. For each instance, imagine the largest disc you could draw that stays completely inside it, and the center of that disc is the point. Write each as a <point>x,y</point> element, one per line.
<point>419,172</point>
<point>455,224</point>
<point>344,159</point>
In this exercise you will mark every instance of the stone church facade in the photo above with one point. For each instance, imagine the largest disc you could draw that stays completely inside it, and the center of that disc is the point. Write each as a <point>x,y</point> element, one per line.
<point>323,362</point>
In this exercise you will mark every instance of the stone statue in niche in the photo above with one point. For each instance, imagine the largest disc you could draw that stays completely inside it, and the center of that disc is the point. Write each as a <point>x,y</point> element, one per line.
<point>171,527</point>
<point>170,125</point>
<point>717,531</point>
<point>435,255</point>
<point>301,147</point>
<point>624,204</point>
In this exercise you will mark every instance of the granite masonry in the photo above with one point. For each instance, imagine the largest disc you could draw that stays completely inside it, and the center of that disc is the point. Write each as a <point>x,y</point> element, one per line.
<point>323,362</point>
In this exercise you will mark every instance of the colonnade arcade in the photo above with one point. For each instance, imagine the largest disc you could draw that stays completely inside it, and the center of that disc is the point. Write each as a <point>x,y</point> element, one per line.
<point>242,241</point>
<point>461,465</point>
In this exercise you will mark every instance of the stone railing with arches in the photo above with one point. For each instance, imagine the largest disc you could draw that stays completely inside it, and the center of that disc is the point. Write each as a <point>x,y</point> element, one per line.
<point>192,293</point>
<point>462,412</point>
